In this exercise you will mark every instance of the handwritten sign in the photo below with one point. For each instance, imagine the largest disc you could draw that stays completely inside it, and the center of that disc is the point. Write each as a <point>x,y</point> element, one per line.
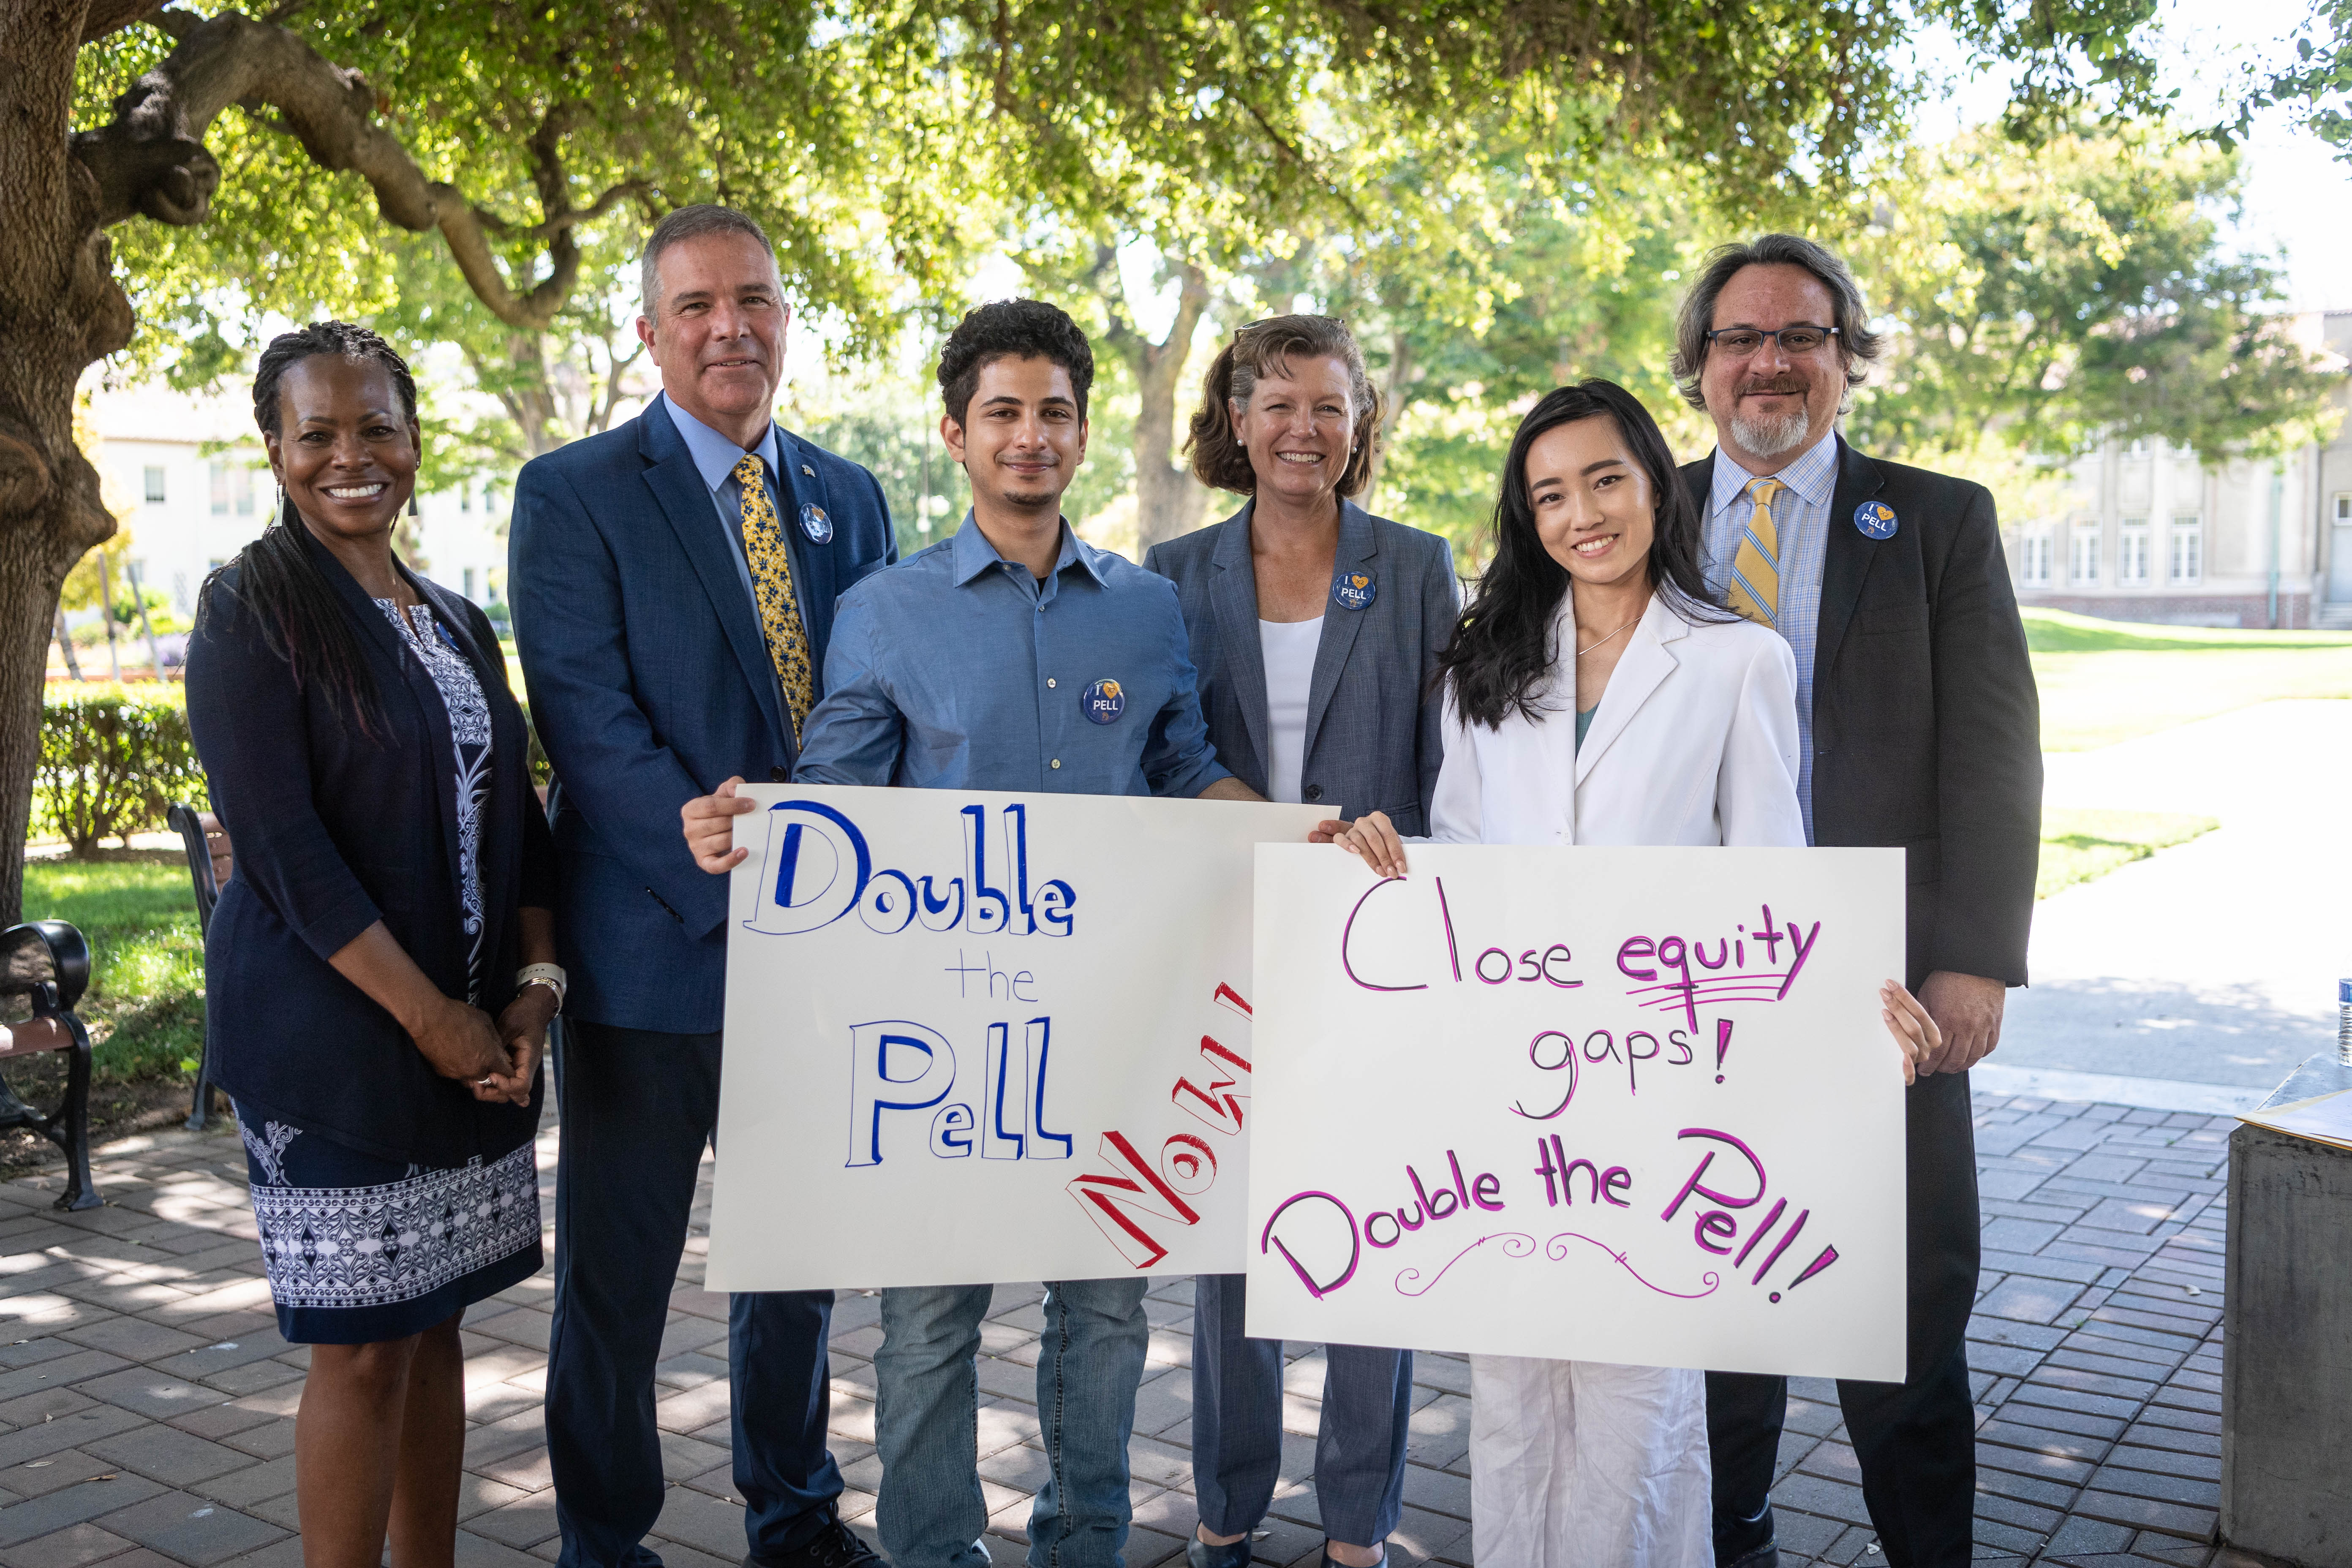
<point>1609,1104</point>
<point>975,1038</point>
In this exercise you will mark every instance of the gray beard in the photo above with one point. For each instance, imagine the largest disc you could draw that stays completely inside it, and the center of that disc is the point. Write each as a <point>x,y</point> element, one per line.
<point>1770,437</point>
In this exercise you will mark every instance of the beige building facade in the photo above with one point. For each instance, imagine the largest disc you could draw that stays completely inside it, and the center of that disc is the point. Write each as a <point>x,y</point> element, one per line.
<point>2146,531</point>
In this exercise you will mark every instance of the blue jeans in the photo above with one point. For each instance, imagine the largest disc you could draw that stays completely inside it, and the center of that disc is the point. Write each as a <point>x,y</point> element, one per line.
<point>932,1512</point>
<point>1359,1452</point>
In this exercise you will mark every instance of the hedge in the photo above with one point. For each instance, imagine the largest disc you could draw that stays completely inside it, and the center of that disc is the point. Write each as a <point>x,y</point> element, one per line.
<point>114,759</point>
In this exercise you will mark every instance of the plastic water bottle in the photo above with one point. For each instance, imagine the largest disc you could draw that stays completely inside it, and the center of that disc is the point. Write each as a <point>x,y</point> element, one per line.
<point>2344,1023</point>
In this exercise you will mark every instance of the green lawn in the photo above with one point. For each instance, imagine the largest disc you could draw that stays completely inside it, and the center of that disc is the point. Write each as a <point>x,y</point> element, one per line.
<point>2080,845</point>
<point>145,1008</point>
<point>2103,681</point>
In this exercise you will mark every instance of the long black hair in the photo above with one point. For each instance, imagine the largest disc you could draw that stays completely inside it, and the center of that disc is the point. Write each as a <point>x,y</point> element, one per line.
<point>1501,649</point>
<point>278,580</point>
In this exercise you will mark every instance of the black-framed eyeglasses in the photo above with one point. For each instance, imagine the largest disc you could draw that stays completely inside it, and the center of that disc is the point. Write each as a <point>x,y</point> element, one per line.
<point>1801,339</point>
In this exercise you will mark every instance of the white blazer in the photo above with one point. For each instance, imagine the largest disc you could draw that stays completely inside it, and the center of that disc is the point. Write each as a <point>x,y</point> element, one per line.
<point>1694,742</point>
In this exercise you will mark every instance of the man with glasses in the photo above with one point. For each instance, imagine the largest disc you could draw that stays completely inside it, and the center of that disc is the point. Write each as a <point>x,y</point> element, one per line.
<point>1918,728</point>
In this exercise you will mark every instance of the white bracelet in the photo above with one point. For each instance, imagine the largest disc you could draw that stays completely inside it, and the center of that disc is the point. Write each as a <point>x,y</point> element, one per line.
<point>548,974</point>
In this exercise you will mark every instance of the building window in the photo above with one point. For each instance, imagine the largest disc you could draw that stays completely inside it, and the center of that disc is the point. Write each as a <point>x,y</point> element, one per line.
<point>241,489</point>
<point>2086,553</point>
<point>154,486</point>
<point>2034,557</point>
<point>469,581</point>
<point>220,489</point>
<point>2132,552</point>
<point>2343,508</point>
<point>2187,549</point>
<point>466,503</point>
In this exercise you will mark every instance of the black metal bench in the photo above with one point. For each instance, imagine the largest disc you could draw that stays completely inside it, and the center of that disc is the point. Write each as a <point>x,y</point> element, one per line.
<point>210,863</point>
<point>44,970</point>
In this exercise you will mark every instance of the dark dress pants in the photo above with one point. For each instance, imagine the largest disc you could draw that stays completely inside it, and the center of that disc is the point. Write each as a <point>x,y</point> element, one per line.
<point>1360,1451</point>
<point>638,1109</point>
<point>1915,1439</point>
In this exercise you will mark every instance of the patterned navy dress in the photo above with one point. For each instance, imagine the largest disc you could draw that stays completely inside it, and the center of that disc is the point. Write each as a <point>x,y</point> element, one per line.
<point>359,1248</point>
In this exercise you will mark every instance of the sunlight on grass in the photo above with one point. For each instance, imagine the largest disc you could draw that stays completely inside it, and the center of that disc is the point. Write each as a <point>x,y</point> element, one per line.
<point>2080,845</point>
<point>145,1008</point>
<point>2103,681</point>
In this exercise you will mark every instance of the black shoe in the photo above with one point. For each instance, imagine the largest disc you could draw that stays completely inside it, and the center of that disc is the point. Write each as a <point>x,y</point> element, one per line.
<point>1198,1553</point>
<point>1747,1543</point>
<point>835,1546</point>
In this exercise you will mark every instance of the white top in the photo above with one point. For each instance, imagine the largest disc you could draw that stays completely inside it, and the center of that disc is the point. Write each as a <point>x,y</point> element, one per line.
<point>1694,742</point>
<point>1288,647</point>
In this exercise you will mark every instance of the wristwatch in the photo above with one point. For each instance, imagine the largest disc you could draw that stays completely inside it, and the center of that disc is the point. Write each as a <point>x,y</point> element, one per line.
<point>548,974</point>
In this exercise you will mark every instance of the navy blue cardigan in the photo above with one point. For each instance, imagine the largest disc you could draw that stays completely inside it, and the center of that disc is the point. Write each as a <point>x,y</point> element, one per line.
<point>334,830</point>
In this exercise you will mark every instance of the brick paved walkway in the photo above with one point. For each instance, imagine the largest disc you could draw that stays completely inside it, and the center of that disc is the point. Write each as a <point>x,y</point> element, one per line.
<point>146,1401</point>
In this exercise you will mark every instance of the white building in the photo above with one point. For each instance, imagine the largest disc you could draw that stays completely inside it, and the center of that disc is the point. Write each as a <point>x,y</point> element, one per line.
<point>2149,532</point>
<point>189,479</point>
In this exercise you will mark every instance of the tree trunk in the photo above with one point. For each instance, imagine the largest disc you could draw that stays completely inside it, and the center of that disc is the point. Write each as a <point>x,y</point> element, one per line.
<point>1168,499</point>
<point>106,604</point>
<point>59,310</point>
<point>64,646</point>
<point>1401,374</point>
<point>146,622</point>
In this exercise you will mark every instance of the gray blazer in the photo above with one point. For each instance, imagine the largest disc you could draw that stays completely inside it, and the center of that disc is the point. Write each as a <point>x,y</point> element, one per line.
<point>1373,711</point>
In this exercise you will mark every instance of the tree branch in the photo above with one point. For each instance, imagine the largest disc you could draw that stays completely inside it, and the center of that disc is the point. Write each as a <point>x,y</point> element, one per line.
<point>150,160</point>
<point>106,17</point>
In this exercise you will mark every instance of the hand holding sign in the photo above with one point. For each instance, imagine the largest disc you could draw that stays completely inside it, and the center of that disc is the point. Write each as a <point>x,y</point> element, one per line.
<point>1612,1104</point>
<point>709,822</point>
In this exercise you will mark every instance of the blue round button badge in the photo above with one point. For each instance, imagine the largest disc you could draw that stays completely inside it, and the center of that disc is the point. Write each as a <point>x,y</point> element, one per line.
<point>1875,520</point>
<point>815,525</point>
<point>1353,590</point>
<point>1103,702</point>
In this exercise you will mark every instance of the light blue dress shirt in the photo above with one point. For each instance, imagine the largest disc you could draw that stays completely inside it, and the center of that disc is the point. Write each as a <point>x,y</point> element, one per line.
<point>1800,521</point>
<point>959,669</point>
<point>715,457</point>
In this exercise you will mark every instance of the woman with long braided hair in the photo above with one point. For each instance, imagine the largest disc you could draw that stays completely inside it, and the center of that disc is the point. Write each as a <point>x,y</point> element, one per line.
<point>380,970</point>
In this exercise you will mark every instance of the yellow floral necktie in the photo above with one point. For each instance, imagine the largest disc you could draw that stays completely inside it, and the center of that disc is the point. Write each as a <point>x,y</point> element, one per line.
<point>772,586</point>
<point>1756,566</point>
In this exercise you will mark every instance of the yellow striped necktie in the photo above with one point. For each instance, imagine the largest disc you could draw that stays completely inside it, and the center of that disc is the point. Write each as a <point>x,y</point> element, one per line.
<point>772,586</point>
<point>1756,566</point>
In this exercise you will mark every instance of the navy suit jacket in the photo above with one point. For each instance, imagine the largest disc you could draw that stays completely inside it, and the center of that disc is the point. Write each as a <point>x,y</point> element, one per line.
<point>336,829</point>
<point>1374,738</point>
<point>650,684</point>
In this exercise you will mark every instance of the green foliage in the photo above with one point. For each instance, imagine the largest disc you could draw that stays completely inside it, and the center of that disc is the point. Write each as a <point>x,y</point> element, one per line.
<point>2315,86</point>
<point>145,1005</point>
<point>2047,298</point>
<point>113,761</point>
<point>843,148</point>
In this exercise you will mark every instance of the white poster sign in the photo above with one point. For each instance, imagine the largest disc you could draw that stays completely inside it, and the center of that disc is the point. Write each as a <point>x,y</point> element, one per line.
<point>1608,1104</point>
<point>975,1036</point>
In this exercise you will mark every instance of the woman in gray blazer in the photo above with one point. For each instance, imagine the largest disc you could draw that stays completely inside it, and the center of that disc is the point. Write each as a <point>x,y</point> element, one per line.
<point>1315,628</point>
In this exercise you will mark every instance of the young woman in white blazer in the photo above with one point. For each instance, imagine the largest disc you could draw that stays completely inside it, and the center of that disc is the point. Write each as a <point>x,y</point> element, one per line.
<point>1594,694</point>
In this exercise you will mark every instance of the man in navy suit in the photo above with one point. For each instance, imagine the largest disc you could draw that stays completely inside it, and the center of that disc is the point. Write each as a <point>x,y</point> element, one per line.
<point>673,584</point>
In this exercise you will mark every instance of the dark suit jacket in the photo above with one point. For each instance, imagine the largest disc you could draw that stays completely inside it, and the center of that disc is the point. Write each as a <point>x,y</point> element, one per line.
<point>335,830</point>
<point>1373,716</point>
<point>1926,728</point>
<point>650,684</point>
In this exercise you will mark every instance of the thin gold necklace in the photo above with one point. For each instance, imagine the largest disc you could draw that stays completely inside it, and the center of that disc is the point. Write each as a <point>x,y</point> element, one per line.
<point>1612,636</point>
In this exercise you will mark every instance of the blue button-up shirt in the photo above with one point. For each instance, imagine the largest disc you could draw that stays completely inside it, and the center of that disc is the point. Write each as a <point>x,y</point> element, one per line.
<point>1801,521</point>
<point>959,669</point>
<point>715,457</point>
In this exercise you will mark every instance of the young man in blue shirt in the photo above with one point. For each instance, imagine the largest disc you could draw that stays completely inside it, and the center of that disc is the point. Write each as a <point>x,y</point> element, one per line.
<point>1012,657</point>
